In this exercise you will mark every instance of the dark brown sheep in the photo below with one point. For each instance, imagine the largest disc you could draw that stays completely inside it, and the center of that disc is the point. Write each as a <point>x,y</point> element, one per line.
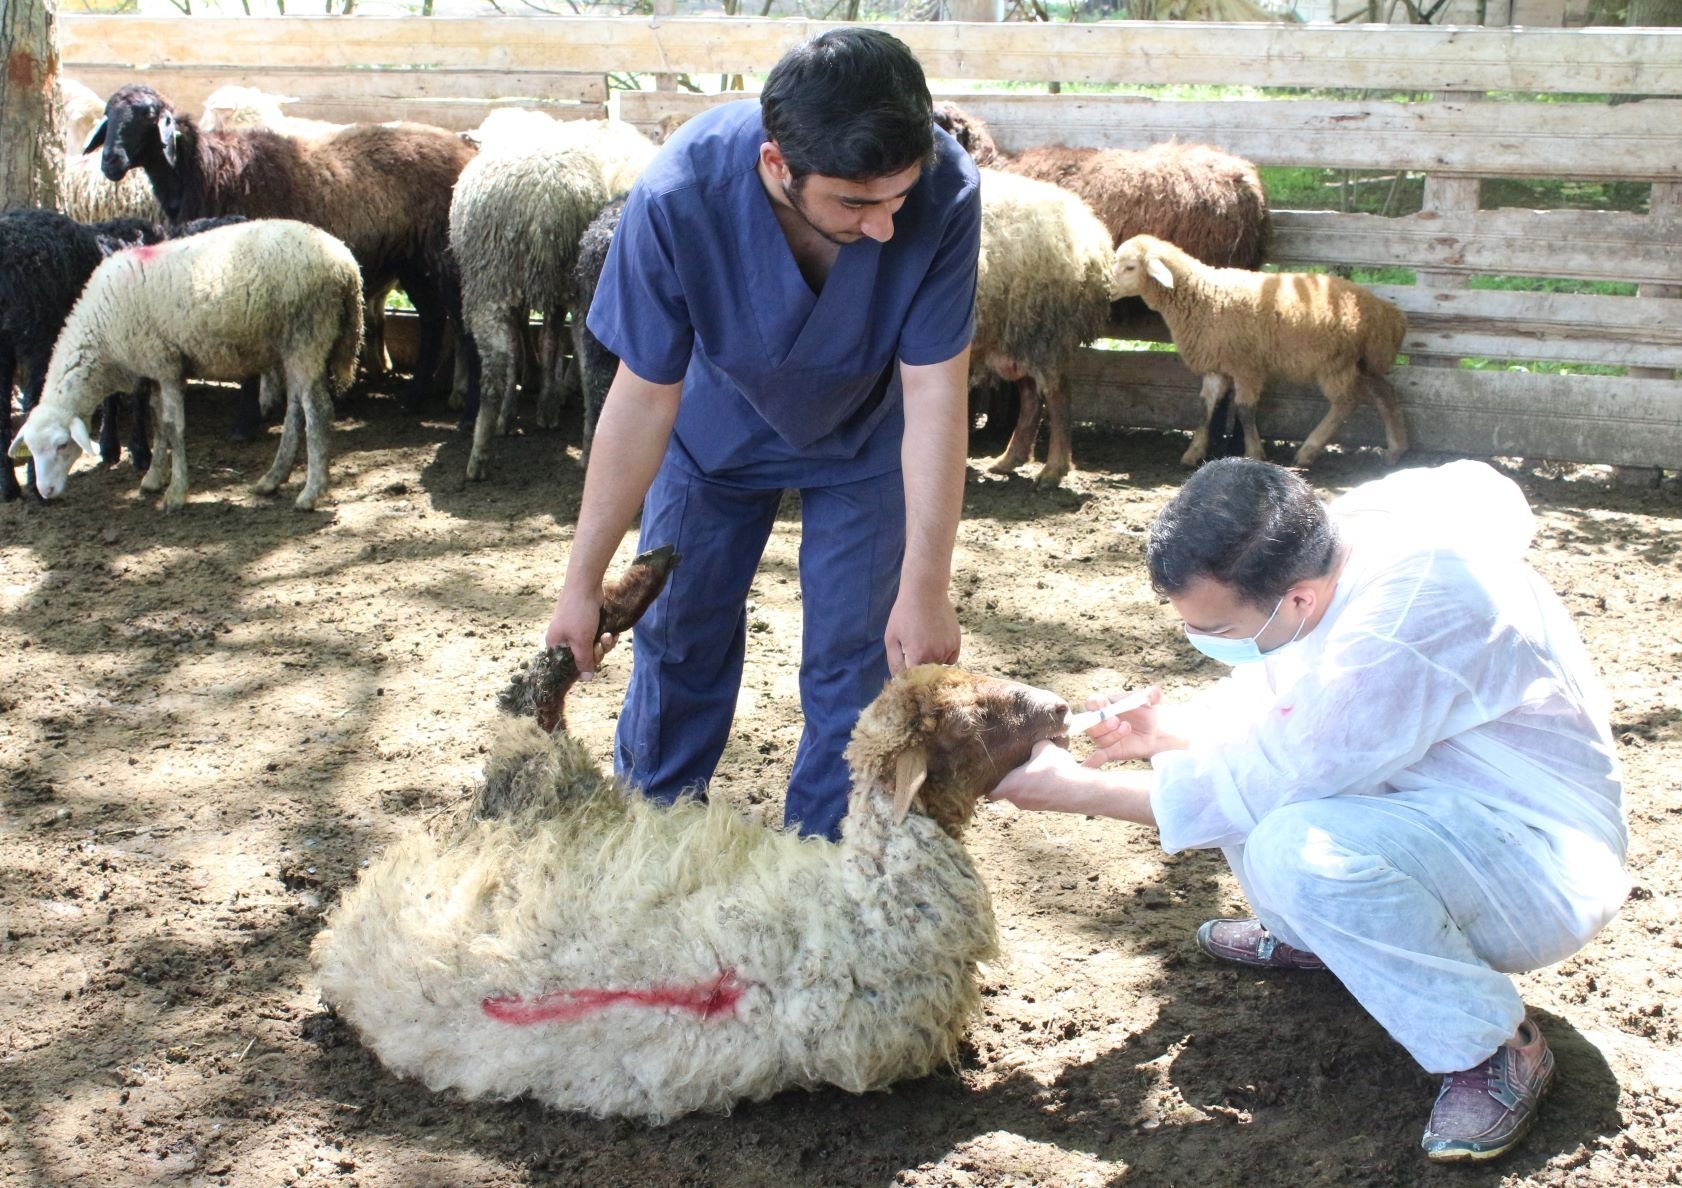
<point>382,189</point>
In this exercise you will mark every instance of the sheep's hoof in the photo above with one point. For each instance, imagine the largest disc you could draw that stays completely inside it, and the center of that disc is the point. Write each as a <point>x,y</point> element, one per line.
<point>151,485</point>
<point>1005,465</point>
<point>1050,477</point>
<point>174,503</point>
<point>304,502</point>
<point>477,470</point>
<point>548,418</point>
<point>1393,456</point>
<point>1192,457</point>
<point>1305,458</point>
<point>266,486</point>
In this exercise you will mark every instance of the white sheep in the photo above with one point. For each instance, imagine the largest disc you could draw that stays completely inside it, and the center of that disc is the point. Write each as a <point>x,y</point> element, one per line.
<point>232,107</point>
<point>1044,284</point>
<point>270,295</point>
<point>566,939</point>
<point>1248,327</point>
<point>83,109</point>
<point>519,211</point>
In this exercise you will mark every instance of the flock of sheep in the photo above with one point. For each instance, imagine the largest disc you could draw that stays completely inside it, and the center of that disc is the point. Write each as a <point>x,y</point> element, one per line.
<point>481,228</point>
<point>481,952</point>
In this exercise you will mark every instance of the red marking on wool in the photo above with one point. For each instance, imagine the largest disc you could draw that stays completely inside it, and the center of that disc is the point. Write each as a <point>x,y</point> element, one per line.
<point>148,252</point>
<point>1285,710</point>
<point>707,1000</point>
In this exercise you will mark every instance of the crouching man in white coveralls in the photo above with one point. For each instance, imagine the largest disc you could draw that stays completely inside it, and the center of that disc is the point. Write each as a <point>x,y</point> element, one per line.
<point>1410,769</point>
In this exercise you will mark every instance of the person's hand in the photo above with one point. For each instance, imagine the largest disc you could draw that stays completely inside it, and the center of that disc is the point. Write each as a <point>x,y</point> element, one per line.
<point>577,615</point>
<point>1132,735</point>
<point>1042,782</point>
<point>922,629</point>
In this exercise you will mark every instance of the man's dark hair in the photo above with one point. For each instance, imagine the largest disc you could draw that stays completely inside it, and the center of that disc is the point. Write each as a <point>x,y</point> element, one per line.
<point>851,103</point>
<point>1254,527</point>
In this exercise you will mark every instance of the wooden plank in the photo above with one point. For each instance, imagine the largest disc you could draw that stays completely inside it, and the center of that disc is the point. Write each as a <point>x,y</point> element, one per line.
<point>1592,245</point>
<point>457,115</point>
<point>1633,141</point>
<point>1605,419</point>
<point>191,85</point>
<point>1414,58</point>
<point>1560,327</point>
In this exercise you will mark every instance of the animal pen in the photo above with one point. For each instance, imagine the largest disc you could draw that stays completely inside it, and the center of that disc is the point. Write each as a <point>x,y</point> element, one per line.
<point>1461,105</point>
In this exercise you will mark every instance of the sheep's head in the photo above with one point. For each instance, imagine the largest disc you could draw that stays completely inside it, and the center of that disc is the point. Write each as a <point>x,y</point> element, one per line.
<point>139,126</point>
<point>940,739</point>
<point>1142,268</point>
<point>969,131</point>
<point>53,438</point>
<point>540,688</point>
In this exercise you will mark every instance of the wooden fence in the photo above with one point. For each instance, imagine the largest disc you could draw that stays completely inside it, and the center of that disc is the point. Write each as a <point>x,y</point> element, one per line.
<point>1481,103</point>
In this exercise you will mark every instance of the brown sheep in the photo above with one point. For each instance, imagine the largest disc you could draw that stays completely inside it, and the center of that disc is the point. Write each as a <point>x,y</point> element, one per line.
<point>383,190</point>
<point>1248,327</point>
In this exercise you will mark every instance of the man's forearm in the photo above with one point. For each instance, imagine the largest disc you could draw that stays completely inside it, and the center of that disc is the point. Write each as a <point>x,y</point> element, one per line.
<point>1123,795</point>
<point>933,457</point>
<point>631,438</point>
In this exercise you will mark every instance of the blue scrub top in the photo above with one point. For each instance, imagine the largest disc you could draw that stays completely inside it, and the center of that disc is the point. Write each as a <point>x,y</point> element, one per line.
<point>782,387</point>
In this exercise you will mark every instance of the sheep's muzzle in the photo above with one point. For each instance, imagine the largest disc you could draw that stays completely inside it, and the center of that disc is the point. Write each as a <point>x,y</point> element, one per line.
<point>540,688</point>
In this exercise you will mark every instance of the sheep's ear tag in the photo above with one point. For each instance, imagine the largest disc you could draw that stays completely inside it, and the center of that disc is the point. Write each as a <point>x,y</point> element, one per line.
<point>19,450</point>
<point>1159,272</point>
<point>166,133</point>
<point>79,435</point>
<point>909,773</point>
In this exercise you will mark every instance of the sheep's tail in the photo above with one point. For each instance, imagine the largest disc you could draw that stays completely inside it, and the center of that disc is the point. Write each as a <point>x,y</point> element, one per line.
<point>347,346</point>
<point>539,689</point>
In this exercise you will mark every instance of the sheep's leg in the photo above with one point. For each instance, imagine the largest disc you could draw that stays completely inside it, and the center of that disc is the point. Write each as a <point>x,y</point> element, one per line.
<point>375,363</point>
<point>1390,411</point>
<point>1059,451</point>
<point>514,349</point>
<point>9,488</point>
<point>172,424</point>
<point>1213,385</point>
<point>552,395</point>
<point>1341,389</point>
<point>432,313</point>
<point>29,396</point>
<point>140,434</point>
<point>496,365</point>
<point>248,410</point>
<point>318,419</point>
<point>286,453</point>
<point>1020,449</point>
<point>157,474</point>
<point>1246,398</point>
<point>110,433</point>
<point>596,366</point>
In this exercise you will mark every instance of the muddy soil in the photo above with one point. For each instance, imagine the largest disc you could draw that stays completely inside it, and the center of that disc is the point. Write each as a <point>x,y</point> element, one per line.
<point>209,721</point>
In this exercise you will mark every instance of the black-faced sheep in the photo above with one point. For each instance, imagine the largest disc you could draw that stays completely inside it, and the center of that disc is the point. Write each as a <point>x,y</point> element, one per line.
<point>45,261</point>
<point>596,364</point>
<point>1043,287</point>
<point>519,212</point>
<point>563,938</point>
<point>271,295</point>
<point>1248,327</point>
<point>383,190</point>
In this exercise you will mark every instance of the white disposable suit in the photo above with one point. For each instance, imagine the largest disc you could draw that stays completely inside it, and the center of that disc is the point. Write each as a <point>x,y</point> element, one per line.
<point>1422,791</point>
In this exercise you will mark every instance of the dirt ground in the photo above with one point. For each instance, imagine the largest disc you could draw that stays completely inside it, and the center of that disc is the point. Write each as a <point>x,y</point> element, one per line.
<point>209,721</point>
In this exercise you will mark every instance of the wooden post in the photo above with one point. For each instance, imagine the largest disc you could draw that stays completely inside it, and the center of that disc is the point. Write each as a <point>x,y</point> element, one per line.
<point>32,147</point>
<point>660,8</point>
<point>1666,199</point>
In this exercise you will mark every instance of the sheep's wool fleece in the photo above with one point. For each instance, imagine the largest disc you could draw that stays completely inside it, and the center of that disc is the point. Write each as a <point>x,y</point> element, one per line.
<point>853,968</point>
<point>269,295</point>
<point>1043,280</point>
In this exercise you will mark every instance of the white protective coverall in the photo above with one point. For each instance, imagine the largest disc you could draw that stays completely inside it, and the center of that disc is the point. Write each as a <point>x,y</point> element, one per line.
<point>1423,790</point>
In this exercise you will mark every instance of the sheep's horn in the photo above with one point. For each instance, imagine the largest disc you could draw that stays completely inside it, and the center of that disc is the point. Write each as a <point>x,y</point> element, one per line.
<point>541,687</point>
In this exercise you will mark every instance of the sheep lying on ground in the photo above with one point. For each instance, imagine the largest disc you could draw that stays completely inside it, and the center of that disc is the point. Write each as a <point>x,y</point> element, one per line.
<point>519,212</point>
<point>384,191</point>
<point>564,938</point>
<point>596,364</point>
<point>1252,326</point>
<point>1043,288</point>
<point>45,260</point>
<point>271,295</point>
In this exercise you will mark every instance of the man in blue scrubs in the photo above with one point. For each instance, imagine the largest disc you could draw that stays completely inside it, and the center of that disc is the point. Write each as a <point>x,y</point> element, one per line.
<point>790,292</point>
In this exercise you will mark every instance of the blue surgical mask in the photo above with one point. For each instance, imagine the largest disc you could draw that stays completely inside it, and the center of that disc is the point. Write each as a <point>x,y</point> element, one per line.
<point>1240,651</point>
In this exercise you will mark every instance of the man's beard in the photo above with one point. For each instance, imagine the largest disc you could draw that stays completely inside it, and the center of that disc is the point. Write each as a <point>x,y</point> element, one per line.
<point>792,191</point>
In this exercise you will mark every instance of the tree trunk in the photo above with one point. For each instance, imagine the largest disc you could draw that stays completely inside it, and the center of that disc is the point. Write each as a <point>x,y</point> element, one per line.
<point>31,114</point>
<point>1655,12</point>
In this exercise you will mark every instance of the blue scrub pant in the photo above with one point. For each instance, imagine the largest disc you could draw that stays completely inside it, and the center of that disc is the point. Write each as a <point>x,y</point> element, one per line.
<point>687,650</point>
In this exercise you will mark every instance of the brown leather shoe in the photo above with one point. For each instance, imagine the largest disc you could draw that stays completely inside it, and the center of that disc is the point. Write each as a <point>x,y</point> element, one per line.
<point>1483,1112</point>
<point>1248,943</point>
